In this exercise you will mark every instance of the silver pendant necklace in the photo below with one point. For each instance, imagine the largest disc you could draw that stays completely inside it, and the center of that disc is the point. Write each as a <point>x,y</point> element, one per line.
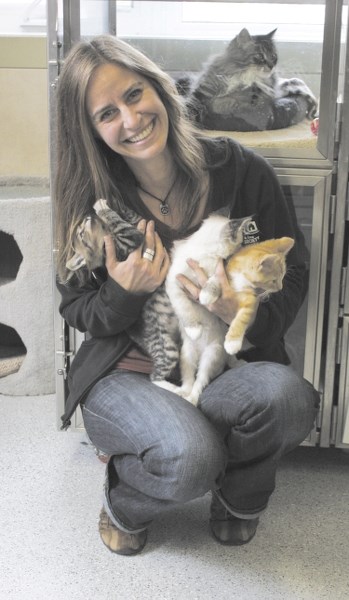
<point>164,207</point>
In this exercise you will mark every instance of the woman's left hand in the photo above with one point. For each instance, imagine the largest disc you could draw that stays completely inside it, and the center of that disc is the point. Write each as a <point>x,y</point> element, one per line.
<point>226,305</point>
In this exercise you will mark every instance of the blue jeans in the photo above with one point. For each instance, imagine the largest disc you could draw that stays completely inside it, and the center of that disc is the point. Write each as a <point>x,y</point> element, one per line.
<point>164,451</point>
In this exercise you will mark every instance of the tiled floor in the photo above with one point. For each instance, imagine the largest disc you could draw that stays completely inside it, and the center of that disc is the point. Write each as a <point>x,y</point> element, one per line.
<point>50,497</point>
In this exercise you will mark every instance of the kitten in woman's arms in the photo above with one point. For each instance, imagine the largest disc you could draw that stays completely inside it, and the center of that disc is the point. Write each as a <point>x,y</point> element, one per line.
<point>254,272</point>
<point>89,237</point>
<point>156,331</point>
<point>202,356</point>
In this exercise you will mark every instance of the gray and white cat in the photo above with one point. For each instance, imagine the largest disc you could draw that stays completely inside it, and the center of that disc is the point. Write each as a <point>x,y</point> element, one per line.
<point>203,356</point>
<point>156,331</point>
<point>239,90</point>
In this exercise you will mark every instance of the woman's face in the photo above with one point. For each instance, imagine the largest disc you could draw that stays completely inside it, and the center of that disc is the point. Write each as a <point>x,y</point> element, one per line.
<point>127,113</point>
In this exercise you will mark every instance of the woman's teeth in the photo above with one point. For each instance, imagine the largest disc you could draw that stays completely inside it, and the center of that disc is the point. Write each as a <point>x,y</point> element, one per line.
<point>141,136</point>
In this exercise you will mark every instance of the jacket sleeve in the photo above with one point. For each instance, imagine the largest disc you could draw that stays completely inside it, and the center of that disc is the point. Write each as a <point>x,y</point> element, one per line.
<point>261,195</point>
<point>101,311</point>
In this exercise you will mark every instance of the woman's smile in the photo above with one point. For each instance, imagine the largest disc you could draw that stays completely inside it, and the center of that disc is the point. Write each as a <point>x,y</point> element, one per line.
<point>143,135</point>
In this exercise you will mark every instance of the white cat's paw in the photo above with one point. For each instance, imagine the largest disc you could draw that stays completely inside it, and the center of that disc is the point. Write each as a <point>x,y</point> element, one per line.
<point>233,346</point>
<point>100,205</point>
<point>193,332</point>
<point>206,297</point>
<point>210,292</point>
<point>184,391</point>
<point>193,398</point>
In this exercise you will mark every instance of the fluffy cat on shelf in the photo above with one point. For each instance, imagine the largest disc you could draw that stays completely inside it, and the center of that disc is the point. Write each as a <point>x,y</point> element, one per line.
<point>240,90</point>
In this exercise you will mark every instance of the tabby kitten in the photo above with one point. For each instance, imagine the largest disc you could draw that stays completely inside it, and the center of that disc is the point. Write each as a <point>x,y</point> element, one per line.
<point>89,237</point>
<point>239,90</point>
<point>156,331</point>
<point>202,354</point>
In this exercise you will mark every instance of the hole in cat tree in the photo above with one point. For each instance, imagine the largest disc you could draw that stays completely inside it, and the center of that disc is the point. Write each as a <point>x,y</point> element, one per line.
<point>12,351</point>
<point>10,258</point>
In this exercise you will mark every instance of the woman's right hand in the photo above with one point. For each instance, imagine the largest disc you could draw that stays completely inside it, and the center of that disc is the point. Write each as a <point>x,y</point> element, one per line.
<point>137,274</point>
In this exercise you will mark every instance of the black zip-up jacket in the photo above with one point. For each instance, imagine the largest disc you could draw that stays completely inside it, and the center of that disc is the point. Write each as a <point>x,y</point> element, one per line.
<point>241,181</point>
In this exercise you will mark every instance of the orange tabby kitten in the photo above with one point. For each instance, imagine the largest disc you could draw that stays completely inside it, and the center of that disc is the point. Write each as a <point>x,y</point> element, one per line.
<point>254,272</point>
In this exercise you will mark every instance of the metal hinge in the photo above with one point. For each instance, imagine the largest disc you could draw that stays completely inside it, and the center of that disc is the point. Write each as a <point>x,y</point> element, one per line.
<point>343,285</point>
<point>338,126</point>
<point>64,352</point>
<point>65,355</point>
<point>333,208</point>
<point>318,422</point>
<point>333,428</point>
<point>339,345</point>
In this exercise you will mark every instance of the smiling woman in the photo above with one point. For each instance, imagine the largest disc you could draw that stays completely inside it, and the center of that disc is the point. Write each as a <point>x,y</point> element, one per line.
<point>130,118</point>
<point>124,136</point>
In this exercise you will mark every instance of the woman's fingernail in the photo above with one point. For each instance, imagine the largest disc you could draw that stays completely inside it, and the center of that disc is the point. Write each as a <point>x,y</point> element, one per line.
<point>192,262</point>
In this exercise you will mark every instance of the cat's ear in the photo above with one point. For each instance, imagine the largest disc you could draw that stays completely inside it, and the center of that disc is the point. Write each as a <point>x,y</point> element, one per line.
<point>76,262</point>
<point>276,247</point>
<point>271,34</point>
<point>238,226</point>
<point>243,37</point>
<point>267,263</point>
<point>284,244</point>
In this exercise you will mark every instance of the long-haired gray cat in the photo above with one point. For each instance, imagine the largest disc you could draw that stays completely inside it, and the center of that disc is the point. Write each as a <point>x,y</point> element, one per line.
<point>239,90</point>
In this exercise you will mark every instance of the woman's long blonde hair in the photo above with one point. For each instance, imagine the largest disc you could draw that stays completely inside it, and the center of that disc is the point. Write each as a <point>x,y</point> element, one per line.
<point>85,165</point>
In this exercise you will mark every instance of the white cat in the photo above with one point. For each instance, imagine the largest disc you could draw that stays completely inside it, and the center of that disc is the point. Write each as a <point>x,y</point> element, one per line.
<point>203,356</point>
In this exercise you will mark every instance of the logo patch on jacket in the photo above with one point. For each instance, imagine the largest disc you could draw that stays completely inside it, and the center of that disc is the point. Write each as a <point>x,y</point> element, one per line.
<point>251,233</point>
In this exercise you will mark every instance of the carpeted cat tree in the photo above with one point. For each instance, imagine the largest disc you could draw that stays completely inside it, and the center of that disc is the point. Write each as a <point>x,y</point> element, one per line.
<point>26,297</point>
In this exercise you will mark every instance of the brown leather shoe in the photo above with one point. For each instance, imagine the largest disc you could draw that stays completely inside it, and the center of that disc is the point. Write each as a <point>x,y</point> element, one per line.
<point>230,530</point>
<point>118,541</point>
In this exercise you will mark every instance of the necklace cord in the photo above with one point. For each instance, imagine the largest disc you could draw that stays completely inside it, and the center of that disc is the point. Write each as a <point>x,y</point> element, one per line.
<point>164,207</point>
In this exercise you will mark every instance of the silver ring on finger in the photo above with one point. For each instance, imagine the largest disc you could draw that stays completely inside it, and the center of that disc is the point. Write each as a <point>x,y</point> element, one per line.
<point>148,254</point>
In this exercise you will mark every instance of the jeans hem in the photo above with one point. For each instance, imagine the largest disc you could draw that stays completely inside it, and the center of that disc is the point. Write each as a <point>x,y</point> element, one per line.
<point>239,513</point>
<point>117,521</point>
<point>111,513</point>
